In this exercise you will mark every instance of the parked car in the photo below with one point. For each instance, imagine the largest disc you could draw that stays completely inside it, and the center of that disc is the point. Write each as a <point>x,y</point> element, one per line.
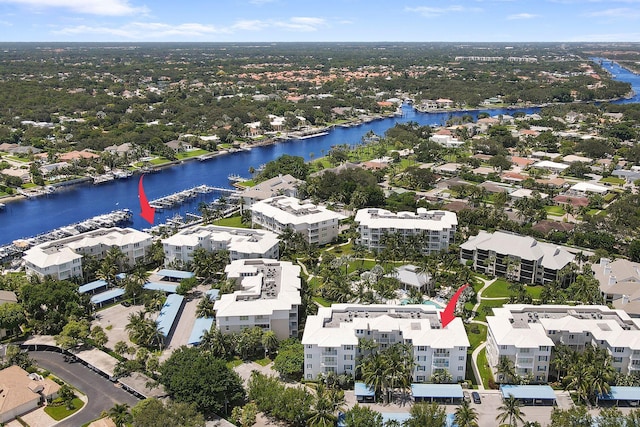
<point>476,397</point>
<point>466,396</point>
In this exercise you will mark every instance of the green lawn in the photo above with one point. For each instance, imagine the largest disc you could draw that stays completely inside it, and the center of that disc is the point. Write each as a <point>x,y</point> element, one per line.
<point>315,282</point>
<point>554,210</point>
<point>613,180</point>
<point>232,221</point>
<point>263,362</point>
<point>159,161</point>
<point>534,291</point>
<point>364,264</point>
<point>478,337</point>
<point>247,183</point>
<point>342,249</point>
<point>483,367</point>
<point>60,412</point>
<point>17,159</point>
<point>28,185</point>
<point>499,289</point>
<point>189,154</point>
<point>485,307</point>
<point>323,302</point>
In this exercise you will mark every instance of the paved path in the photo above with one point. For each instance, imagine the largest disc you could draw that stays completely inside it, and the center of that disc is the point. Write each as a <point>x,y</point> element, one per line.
<point>101,393</point>
<point>474,355</point>
<point>474,364</point>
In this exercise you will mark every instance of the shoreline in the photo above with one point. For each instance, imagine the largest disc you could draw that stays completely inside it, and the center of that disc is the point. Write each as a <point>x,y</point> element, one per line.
<point>278,139</point>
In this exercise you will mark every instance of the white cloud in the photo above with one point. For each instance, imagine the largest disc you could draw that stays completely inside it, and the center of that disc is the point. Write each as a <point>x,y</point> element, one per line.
<point>146,30</point>
<point>91,7</point>
<point>430,12</point>
<point>522,16</point>
<point>300,23</point>
<point>620,12</point>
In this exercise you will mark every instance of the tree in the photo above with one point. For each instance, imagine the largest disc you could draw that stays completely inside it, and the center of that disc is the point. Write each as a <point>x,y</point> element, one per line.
<point>269,342</point>
<point>99,336</point>
<point>506,370</point>
<point>194,376</point>
<point>510,409</point>
<point>466,416</point>
<point>67,395</point>
<point>120,415</point>
<point>289,362</point>
<point>11,316</point>
<point>576,416</point>
<point>359,416</point>
<point>205,307</point>
<point>326,403</point>
<point>426,415</point>
<point>75,332</point>
<point>246,415</point>
<point>152,413</point>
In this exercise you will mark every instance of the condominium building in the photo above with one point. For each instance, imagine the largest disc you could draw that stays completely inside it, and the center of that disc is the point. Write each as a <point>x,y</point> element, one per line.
<point>620,284</point>
<point>519,258</point>
<point>241,243</point>
<point>332,336</point>
<point>437,227</point>
<point>528,334</point>
<point>267,295</point>
<point>284,185</point>
<point>62,258</point>
<point>317,224</point>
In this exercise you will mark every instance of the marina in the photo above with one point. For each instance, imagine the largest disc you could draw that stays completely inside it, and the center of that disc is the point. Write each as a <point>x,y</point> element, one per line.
<point>112,219</point>
<point>178,198</point>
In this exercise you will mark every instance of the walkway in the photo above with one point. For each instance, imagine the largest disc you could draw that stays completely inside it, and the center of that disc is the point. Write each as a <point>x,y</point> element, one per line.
<point>474,355</point>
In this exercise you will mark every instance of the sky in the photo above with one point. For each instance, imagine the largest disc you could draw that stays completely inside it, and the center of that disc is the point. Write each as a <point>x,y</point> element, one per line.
<point>319,20</point>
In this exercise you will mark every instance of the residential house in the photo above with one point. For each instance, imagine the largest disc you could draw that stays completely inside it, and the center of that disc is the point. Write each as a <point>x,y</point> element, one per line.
<point>23,392</point>
<point>331,339</point>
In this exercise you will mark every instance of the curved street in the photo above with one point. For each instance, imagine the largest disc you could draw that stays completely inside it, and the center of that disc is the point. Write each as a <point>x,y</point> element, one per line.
<point>101,393</point>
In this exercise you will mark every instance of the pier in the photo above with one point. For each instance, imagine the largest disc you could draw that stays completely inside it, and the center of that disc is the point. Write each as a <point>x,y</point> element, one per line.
<point>176,199</point>
<point>112,219</point>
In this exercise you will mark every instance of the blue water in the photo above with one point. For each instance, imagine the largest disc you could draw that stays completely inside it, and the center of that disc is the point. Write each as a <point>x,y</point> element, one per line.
<point>76,203</point>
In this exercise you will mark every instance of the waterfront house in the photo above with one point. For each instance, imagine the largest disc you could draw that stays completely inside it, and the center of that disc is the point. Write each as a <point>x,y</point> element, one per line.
<point>282,185</point>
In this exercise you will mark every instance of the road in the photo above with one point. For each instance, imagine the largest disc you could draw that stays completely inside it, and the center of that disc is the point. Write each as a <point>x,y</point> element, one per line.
<point>101,392</point>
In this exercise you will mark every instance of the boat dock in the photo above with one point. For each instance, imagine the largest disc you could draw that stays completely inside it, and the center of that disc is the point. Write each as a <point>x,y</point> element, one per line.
<point>176,199</point>
<point>107,177</point>
<point>236,178</point>
<point>110,219</point>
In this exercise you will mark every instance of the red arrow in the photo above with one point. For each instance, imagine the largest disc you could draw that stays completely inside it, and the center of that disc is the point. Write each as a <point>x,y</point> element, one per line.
<point>448,314</point>
<point>148,212</point>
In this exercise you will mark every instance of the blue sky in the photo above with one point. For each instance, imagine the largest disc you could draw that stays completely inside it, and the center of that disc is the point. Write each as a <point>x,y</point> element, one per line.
<point>320,20</point>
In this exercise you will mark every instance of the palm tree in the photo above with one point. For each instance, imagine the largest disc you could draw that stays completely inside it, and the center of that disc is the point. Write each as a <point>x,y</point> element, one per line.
<point>216,342</point>
<point>205,307</point>
<point>466,416</point>
<point>116,257</point>
<point>107,272</point>
<point>327,402</point>
<point>135,325</point>
<point>120,415</point>
<point>373,370</point>
<point>510,409</point>
<point>505,370</point>
<point>269,342</point>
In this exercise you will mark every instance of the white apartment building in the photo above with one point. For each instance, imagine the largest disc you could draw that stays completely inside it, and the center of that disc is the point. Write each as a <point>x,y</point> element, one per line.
<point>519,258</point>
<point>317,224</point>
<point>331,338</point>
<point>267,295</point>
<point>375,223</point>
<point>527,334</point>
<point>62,258</point>
<point>241,243</point>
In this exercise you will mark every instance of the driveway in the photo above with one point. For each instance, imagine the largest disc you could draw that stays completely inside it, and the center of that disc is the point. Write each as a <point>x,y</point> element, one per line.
<point>101,392</point>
